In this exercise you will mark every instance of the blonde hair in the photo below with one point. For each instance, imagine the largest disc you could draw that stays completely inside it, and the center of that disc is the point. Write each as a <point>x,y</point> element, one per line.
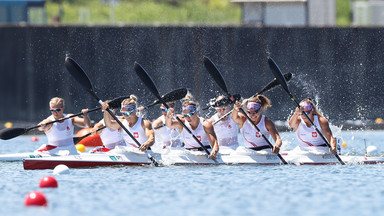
<point>263,100</point>
<point>57,101</point>
<point>131,100</point>
<point>188,100</point>
<point>314,109</point>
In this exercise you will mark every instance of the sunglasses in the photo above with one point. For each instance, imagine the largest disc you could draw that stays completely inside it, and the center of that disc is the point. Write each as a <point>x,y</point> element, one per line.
<point>164,110</point>
<point>308,112</point>
<point>55,110</point>
<point>188,114</point>
<point>126,113</point>
<point>252,112</point>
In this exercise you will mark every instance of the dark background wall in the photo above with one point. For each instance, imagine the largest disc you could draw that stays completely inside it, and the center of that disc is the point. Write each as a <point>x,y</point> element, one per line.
<point>339,67</point>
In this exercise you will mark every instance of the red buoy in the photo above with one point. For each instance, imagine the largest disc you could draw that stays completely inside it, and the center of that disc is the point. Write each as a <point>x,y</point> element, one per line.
<point>48,182</point>
<point>35,198</point>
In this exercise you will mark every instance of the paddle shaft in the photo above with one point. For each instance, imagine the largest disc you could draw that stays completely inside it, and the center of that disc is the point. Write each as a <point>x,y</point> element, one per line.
<point>143,75</point>
<point>216,75</point>
<point>78,73</point>
<point>314,126</point>
<point>189,131</point>
<point>280,78</point>
<point>265,138</point>
<point>65,118</point>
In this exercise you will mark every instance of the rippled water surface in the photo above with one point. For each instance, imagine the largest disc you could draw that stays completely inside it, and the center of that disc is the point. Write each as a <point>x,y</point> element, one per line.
<point>202,190</point>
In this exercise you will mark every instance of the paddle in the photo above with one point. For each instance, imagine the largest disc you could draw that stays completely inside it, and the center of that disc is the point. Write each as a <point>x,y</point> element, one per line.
<point>9,133</point>
<point>78,73</point>
<point>143,75</point>
<point>270,86</point>
<point>174,95</point>
<point>78,139</point>
<point>216,75</point>
<point>279,77</point>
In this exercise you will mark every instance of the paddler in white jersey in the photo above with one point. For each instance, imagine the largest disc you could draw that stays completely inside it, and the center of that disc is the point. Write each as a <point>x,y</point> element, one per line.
<point>252,138</point>
<point>110,138</point>
<point>307,136</point>
<point>165,136</point>
<point>140,128</point>
<point>226,129</point>
<point>60,134</point>
<point>200,127</point>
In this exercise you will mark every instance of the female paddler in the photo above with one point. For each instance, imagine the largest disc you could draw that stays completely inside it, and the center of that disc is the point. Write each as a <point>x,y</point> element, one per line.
<point>110,138</point>
<point>60,134</point>
<point>140,128</point>
<point>200,128</point>
<point>165,136</point>
<point>252,138</point>
<point>226,129</point>
<point>307,136</point>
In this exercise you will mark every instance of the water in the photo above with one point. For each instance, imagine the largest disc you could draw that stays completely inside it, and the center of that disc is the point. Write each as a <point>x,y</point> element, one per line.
<point>201,190</point>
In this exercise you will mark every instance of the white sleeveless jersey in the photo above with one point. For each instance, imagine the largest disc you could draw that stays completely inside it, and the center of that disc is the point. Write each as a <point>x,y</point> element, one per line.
<point>168,136</point>
<point>189,141</point>
<point>110,137</point>
<point>253,138</point>
<point>137,131</point>
<point>226,131</point>
<point>60,134</point>
<point>308,136</point>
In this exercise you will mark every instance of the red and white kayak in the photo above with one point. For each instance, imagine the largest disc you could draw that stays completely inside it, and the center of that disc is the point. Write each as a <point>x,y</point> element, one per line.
<point>128,156</point>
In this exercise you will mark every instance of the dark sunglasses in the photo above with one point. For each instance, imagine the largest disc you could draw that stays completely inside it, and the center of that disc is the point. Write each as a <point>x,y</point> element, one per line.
<point>55,110</point>
<point>164,110</point>
<point>252,112</point>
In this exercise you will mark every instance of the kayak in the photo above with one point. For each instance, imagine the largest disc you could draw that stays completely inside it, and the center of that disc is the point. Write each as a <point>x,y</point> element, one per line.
<point>129,156</point>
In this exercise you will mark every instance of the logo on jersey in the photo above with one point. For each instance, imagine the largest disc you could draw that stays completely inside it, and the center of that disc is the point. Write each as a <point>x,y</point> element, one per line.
<point>199,138</point>
<point>258,134</point>
<point>314,134</point>
<point>67,128</point>
<point>229,126</point>
<point>136,134</point>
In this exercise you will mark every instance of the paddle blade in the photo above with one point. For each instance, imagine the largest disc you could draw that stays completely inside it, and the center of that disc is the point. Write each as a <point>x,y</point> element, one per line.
<point>274,83</point>
<point>9,133</point>
<point>277,73</point>
<point>143,75</point>
<point>174,95</point>
<point>215,73</point>
<point>80,76</point>
<point>116,103</point>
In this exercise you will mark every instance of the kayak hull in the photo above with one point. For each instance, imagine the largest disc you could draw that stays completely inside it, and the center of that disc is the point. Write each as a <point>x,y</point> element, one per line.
<point>127,156</point>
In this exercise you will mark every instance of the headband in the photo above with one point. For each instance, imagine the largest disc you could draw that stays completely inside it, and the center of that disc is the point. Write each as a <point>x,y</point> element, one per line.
<point>306,106</point>
<point>190,108</point>
<point>129,107</point>
<point>254,106</point>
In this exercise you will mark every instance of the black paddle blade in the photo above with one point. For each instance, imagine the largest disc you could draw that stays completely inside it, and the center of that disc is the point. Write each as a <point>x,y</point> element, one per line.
<point>116,103</point>
<point>274,83</point>
<point>143,75</point>
<point>80,76</point>
<point>9,133</point>
<point>277,72</point>
<point>174,95</point>
<point>224,102</point>
<point>215,73</point>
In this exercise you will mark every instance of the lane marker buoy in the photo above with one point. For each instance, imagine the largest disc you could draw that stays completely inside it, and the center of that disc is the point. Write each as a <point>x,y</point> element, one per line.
<point>61,169</point>
<point>35,198</point>
<point>48,182</point>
